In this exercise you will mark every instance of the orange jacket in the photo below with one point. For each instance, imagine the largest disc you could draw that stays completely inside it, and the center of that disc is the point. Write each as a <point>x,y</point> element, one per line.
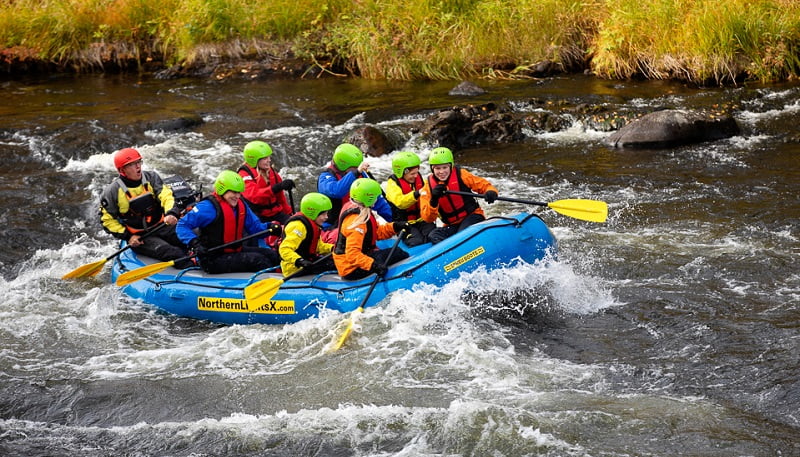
<point>475,183</point>
<point>354,255</point>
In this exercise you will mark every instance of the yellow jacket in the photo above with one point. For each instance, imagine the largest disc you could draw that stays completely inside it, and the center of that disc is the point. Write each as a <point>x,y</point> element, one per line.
<point>296,233</point>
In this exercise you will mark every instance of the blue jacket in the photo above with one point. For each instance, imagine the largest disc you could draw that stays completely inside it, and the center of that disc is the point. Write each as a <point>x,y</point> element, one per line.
<point>204,214</point>
<point>327,184</point>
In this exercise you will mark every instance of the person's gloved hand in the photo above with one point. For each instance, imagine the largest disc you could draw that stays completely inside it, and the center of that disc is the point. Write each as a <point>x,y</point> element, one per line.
<point>286,184</point>
<point>437,193</point>
<point>275,229</point>
<point>416,194</point>
<point>378,268</point>
<point>197,247</point>
<point>399,225</point>
<point>303,263</point>
<point>491,196</point>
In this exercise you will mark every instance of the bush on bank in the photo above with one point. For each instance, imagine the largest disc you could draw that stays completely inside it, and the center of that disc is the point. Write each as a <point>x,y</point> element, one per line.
<point>694,40</point>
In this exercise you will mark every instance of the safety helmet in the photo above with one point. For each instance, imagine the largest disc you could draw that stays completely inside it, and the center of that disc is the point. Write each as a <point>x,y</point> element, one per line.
<point>347,155</point>
<point>255,151</point>
<point>441,156</point>
<point>365,191</point>
<point>314,203</point>
<point>228,180</point>
<point>125,156</point>
<point>403,160</point>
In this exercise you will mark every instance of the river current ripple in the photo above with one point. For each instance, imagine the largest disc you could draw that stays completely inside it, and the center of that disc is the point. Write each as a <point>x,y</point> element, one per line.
<point>673,329</point>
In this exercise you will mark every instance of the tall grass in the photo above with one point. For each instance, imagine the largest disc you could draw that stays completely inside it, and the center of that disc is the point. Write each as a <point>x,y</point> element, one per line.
<point>694,40</point>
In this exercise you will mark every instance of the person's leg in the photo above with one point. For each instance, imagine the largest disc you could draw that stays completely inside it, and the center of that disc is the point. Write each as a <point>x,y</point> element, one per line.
<point>381,256</point>
<point>440,234</point>
<point>472,219</point>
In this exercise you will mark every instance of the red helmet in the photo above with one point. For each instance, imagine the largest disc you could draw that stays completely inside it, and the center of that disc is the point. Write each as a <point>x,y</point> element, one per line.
<point>125,156</point>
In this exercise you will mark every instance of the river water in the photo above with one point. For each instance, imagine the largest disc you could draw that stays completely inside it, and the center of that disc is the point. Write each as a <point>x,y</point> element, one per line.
<point>672,329</point>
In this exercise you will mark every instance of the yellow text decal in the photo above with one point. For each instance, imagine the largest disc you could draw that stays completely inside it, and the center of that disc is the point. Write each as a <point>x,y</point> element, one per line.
<point>464,259</point>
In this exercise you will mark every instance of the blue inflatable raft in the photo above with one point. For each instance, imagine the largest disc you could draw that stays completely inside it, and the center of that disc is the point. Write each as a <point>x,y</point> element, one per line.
<point>494,243</point>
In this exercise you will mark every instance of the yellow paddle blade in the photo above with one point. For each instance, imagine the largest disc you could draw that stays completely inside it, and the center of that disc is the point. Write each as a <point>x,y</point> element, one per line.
<point>339,340</point>
<point>90,269</point>
<point>586,210</point>
<point>140,273</point>
<point>262,291</point>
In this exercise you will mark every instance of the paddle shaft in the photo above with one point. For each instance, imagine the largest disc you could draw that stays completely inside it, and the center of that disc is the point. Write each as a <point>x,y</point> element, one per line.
<point>385,264</point>
<point>231,243</point>
<point>300,271</point>
<point>505,199</point>
<point>149,232</point>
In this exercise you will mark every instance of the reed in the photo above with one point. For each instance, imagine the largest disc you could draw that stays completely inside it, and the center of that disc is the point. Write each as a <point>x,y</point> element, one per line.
<point>694,40</point>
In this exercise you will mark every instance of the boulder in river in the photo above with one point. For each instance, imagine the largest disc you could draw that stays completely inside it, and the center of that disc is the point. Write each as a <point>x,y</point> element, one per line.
<point>466,126</point>
<point>668,128</point>
<point>371,141</point>
<point>468,89</point>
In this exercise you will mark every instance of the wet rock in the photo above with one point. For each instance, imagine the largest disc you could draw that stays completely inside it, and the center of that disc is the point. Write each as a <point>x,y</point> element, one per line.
<point>461,127</point>
<point>468,89</point>
<point>176,125</point>
<point>669,128</point>
<point>372,141</point>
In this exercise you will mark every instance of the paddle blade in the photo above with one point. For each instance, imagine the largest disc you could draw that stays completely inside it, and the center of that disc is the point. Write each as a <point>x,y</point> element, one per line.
<point>262,291</point>
<point>90,269</point>
<point>140,273</point>
<point>339,339</point>
<point>586,210</point>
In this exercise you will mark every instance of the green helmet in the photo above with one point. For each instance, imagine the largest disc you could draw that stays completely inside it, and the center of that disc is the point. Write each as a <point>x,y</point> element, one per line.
<point>313,204</point>
<point>403,160</point>
<point>255,151</point>
<point>346,155</point>
<point>365,191</point>
<point>441,156</point>
<point>228,180</point>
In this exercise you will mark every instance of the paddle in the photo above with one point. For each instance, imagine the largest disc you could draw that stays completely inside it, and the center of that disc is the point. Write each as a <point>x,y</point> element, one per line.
<point>92,269</point>
<point>585,210</point>
<point>265,289</point>
<point>148,270</point>
<point>338,342</point>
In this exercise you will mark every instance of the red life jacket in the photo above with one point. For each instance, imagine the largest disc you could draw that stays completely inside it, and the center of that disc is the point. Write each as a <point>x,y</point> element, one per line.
<point>369,244</point>
<point>411,213</point>
<point>454,208</point>
<point>268,209</point>
<point>308,247</point>
<point>227,226</point>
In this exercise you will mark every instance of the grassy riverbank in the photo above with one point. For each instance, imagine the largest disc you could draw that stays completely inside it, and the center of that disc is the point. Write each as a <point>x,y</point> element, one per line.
<point>717,41</point>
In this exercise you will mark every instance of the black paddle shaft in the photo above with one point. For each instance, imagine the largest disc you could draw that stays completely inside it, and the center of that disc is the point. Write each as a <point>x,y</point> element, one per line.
<point>385,264</point>
<point>505,199</point>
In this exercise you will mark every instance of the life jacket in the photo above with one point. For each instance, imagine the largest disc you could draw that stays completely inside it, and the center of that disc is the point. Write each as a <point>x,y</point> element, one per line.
<point>411,213</point>
<point>369,237</point>
<point>308,247</point>
<point>269,208</point>
<point>144,210</point>
<point>454,208</point>
<point>227,225</point>
<point>337,203</point>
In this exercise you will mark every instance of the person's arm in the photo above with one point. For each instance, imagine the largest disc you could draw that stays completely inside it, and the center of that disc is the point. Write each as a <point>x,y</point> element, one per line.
<point>382,207</point>
<point>109,213</point>
<point>395,195</point>
<point>355,239</point>
<point>328,185</point>
<point>165,195</point>
<point>200,216</point>
<point>476,183</point>
<point>385,231</point>
<point>428,212</point>
<point>295,234</point>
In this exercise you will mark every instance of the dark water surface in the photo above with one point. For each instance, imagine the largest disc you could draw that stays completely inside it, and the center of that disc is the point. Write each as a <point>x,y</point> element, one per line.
<point>673,329</point>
